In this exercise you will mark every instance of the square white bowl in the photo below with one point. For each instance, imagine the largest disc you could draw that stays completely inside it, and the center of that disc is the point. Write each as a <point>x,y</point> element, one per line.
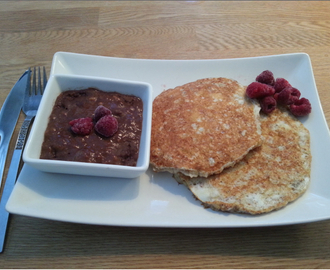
<point>60,83</point>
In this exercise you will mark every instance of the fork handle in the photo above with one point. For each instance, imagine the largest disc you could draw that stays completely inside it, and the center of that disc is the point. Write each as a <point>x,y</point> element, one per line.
<point>11,178</point>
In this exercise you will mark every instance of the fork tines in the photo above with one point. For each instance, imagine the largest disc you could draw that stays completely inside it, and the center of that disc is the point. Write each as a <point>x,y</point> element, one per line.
<point>37,87</point>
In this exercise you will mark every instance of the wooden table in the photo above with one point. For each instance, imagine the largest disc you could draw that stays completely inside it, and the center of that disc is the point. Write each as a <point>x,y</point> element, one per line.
<point>30,34</point>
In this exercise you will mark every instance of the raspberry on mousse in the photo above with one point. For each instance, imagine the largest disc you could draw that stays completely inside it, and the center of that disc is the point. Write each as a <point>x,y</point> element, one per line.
<point>82,126</point>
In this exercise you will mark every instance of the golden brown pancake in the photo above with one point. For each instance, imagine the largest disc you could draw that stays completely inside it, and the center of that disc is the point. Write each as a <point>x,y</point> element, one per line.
<point>268,178</point>
<point>203,127</point>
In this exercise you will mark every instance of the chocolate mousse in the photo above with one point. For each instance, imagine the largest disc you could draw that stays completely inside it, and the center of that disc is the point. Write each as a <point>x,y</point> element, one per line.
<point>122,148</point>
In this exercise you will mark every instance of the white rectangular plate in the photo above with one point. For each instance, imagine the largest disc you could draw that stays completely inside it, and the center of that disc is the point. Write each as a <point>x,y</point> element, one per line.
<point>155,199</point>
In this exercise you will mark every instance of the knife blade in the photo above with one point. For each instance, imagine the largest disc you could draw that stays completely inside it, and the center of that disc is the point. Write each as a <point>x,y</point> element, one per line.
<point>9,114</point>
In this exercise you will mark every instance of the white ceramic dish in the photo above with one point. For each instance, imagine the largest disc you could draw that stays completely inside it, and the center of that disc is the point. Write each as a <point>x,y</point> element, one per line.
<point>156,199</point>
<point>60,83</point>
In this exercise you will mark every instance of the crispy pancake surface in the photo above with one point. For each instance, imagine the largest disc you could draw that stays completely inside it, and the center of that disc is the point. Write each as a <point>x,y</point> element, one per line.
<point>268,178</point>
<point>202,127</point>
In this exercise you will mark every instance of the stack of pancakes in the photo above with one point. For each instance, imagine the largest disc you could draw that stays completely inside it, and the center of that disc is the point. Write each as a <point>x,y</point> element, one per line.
<point>213,139</point>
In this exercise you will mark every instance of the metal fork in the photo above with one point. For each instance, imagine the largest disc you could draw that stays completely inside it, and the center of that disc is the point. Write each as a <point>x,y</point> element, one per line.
<point>33,95</point>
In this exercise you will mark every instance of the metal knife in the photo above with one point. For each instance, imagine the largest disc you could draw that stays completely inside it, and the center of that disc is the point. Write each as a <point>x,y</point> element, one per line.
<point>10,181</point>
<point>9,114</point>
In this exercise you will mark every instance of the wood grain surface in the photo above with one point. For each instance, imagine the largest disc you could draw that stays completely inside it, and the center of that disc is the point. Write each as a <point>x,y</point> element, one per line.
<point>32,31</point>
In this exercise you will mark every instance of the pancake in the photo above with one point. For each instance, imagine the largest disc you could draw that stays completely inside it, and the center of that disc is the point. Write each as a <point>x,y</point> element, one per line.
<point>203,127</point>
<point>268,178</point>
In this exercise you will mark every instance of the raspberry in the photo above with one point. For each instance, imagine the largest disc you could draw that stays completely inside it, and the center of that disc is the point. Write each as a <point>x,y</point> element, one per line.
<point>82,126</point>
<point>259,90</point>
<point>280,84</point>
<point>101,111</point>
<point>301,107</point>
<point>268,104</point>
<point>107,126</point>
<point>288,95</point>
<point>266,77</point>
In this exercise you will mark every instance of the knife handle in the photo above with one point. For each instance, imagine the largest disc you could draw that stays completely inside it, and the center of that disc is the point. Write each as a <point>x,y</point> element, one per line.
<point>4,145</point>
<point>11,178</point>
